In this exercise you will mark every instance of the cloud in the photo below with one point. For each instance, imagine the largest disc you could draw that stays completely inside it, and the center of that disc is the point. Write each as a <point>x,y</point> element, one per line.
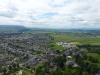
<point>51,13</point>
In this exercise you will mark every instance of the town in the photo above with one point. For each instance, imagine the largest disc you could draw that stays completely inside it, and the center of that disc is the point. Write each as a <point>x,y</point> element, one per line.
<point>23,51</point>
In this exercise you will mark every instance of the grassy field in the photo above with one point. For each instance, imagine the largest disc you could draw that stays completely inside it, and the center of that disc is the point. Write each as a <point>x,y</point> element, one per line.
<point>78,40</point>
<point>54,46</point>
<point>27,72</point>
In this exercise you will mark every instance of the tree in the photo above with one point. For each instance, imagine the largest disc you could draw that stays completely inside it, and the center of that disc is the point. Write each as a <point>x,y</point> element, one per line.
<point>60,61</point>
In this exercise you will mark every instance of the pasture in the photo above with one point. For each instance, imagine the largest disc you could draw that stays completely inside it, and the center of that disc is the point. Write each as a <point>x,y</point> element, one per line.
<point>77,39</point>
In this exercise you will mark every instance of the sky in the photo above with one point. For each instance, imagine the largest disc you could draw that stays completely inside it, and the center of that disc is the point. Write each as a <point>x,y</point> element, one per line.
<point>51,13</point>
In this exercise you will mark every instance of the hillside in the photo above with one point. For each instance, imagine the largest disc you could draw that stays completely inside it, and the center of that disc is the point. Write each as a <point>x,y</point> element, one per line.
<point>12,28</point>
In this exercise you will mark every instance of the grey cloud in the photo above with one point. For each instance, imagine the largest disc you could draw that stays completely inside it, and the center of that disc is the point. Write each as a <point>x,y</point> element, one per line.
<point>10,12</point>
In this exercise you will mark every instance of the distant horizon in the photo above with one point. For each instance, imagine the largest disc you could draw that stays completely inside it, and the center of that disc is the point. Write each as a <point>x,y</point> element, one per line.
<point>54,28</point>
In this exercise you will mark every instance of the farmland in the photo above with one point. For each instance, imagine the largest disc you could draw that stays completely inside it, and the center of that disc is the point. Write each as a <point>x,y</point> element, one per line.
<point>83,39</point>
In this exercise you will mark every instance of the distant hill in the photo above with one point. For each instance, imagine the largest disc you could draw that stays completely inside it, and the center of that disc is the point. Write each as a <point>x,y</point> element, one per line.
<point>12,28</point>
<point>96,31</point>
<point>17,28</point>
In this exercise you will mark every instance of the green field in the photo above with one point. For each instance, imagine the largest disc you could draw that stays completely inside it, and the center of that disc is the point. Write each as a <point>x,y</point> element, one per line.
<point>27,72</point>
<point>78,40</point>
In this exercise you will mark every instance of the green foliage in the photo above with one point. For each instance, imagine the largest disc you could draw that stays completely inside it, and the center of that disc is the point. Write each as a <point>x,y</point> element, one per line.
<point>60,61</point>
<point>40,69</point>
<point>56,47</point>
<point>94,57</point>
<point>91,48</point>
<point>27,72</point>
